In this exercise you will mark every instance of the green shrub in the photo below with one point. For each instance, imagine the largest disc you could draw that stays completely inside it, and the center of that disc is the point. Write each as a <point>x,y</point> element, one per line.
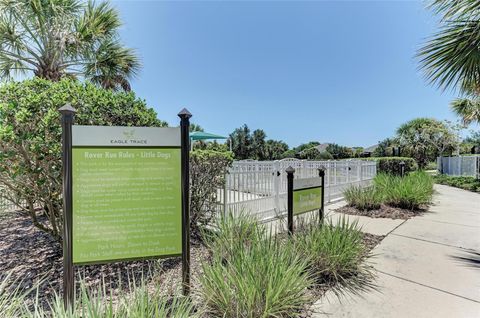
<point>466,183</point>
<point>392,165</point>
<point>30,137</point>
<point>363,198</point>
<point>252,274</point>
<point>410,192</point>
<point>432,165</point>
<point>336,255</point>
<point>207,175</point>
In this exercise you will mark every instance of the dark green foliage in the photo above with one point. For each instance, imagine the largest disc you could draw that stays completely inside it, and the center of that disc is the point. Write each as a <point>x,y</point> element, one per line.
<point>392,165</point>
<point>247,145</point>
<point>336,255</point>
<point>466,183</point>
<point>30,137</point>
<point>207,175</point>
<point>385,148</point>
<point>275,149</point>
<point>310,154</point>
<point>339,152</point>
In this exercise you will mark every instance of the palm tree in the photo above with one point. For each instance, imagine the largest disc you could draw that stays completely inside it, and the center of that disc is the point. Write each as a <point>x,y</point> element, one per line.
<point>451,58</point>
<point>467,109</point>
<point>64,38</point>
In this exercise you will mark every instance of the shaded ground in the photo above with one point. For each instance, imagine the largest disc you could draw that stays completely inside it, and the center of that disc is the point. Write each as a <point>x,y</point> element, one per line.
<point>385,211</point>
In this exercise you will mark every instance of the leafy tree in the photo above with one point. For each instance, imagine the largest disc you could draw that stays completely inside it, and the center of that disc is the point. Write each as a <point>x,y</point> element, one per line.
<point>385,148</point>
<point>215,146</point>
<point>424,139</point>
<point>470,142</point>
<point>474,138</point>
<point>30,138</point>
<point>54,39</point>
<point>339,152</point>
<point>195,127</point>
<point>467,109</point>
<point>289,154</point>
<point>275,149</point>
<point>241,140</point>
<point>310,154</point>
<point>451,58</point>
<point>258,145</point>
<point>308,145</point>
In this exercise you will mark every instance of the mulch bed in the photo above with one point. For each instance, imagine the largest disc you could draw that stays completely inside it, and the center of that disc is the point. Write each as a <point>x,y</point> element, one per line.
<point>385,211</point>
<point>30,255</point>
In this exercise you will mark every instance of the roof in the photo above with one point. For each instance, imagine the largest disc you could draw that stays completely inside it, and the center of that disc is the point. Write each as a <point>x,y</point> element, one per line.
<point>322,147</point>
<point>200,135</point>
<point>371,148</point>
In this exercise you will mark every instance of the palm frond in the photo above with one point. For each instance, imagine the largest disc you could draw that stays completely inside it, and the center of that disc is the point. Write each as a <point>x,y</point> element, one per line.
<point>112,65</point>
<point>452,9</point>
<point>452,56</point>
<point>467,109</point>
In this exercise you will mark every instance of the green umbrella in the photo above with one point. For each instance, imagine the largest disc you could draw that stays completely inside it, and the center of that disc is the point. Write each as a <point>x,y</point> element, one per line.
<point>200,135</point>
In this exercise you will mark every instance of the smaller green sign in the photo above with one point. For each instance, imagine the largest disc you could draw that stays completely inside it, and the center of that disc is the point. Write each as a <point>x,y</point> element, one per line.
<point>305,200</point>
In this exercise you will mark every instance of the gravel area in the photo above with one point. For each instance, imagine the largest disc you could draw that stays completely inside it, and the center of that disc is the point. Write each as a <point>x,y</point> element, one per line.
<point>385,211</point>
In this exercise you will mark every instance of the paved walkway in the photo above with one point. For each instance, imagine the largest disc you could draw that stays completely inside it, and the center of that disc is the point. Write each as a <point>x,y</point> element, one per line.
<point>428,266</point>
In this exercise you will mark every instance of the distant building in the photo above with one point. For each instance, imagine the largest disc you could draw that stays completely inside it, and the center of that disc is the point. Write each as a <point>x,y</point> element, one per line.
<point>322,147</point>
<point>368,152</point>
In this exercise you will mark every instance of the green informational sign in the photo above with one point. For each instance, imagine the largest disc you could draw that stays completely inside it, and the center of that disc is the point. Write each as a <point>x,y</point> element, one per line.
<point>307,195</point>
<point>126,200</point>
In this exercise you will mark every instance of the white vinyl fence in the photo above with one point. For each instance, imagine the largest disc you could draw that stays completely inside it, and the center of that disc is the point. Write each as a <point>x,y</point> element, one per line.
<point>468,166</point>
<point>260,187</point>
<point>5,205</point>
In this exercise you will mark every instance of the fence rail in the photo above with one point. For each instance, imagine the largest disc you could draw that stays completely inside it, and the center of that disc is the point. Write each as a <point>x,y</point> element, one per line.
<point>260,187</point>
<point>468,166</point>
<point>5,205</point>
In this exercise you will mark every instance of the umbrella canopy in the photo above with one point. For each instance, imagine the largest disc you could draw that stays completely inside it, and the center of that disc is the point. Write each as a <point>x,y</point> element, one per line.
<point>200,135</point>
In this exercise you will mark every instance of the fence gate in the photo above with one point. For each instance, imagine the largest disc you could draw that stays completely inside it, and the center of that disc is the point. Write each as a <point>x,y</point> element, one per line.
<point>260,187</point>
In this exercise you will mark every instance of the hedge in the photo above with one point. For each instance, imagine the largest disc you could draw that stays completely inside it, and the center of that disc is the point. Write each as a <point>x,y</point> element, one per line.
<point>392,165</point>
<point>30,138</point>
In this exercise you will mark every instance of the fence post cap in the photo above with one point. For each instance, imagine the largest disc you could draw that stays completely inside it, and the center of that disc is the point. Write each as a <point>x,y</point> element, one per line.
<point>67,109</point>
<point>290,169</point>
<point>184,113</point>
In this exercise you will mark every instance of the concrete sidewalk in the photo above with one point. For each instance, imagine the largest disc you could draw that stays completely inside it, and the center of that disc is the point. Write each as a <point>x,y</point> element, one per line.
<point>428,266</point>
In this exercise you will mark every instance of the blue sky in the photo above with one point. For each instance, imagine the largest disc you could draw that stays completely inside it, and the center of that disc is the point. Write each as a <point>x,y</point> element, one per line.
<point>330,71</point>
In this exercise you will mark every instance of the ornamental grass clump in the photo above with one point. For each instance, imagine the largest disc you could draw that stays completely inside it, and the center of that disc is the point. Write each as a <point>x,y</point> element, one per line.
<point>336,256</point>
<point>252,274</point>
<point>410,192</point>
<point>363,198</point>
<point>138,300</point>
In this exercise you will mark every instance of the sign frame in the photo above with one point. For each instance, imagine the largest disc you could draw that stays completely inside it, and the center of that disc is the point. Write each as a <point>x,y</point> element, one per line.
<point>67,119</point>
<point>305,184</point>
